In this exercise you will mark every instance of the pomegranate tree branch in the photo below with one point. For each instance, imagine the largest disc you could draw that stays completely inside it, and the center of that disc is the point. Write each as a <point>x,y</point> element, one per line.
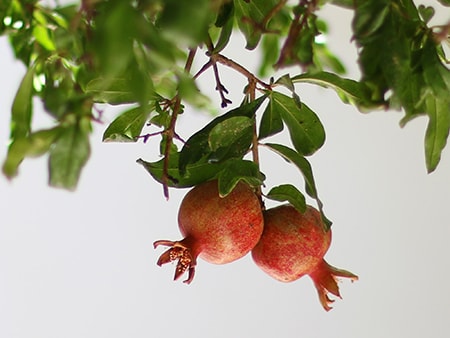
<point>170,132</point>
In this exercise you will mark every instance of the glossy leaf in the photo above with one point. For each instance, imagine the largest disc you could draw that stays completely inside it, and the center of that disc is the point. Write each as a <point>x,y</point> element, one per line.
<point>194,174</point>
<point>235,170</point>
<point>69,155</point>
<point>305,129</point>
<point>271,122</point>
<point>350,91</point>
<point>288,193</point>
<point>128,125</point>
<point>197,146</point>
<point>305,168</point>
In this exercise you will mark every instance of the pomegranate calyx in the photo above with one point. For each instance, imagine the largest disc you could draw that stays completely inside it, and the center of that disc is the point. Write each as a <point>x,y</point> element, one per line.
<point>179,252</point>
<point>325,278</point>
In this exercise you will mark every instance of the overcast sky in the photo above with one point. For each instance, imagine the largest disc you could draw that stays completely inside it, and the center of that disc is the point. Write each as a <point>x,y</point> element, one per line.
<point>81,264</point>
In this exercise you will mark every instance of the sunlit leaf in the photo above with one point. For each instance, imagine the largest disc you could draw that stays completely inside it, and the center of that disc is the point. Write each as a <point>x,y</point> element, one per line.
<point>69,155</point>
<point>22,106</point>
<point>128,125</point>
<point>33,145</point>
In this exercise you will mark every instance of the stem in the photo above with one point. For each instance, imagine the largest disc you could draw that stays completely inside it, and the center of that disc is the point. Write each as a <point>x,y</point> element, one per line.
<point>170,132</point>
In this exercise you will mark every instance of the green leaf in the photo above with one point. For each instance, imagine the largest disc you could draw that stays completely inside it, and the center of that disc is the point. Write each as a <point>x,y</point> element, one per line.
<point>437,130</point>
<point>369,17</point>
<point>305,168</point>
<point>271,122</point>
<point>186,20</point>
<point>224,37</point>
<point>128,125</point>
<point>112,91</point>
<point>194,174</point>
<point>249,15</point>
<point>445,2</point>
<point>22,106</point>
<point>42,36</point>
<point>69,155</point>
<point>350,91</point>
<point>305,129</point>
<point>197,146</point>
<point>289,193</point>
<point>34,145</point>
<point>235,170</point>
<point>426,12</point>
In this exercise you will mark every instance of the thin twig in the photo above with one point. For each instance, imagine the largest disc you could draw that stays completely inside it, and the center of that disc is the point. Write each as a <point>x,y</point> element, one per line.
<point>170,132</point>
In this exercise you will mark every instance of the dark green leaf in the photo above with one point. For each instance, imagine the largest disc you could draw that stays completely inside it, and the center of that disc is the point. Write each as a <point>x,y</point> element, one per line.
<point>69,155</point>
<point>194,174</point>
<point>271,122</point>
<point>426,12</point>
<point>289,193</point>
<point>350,91</point>
<point>305,129</point>
<point>128,125</point>
<point>22,106</point>
<point>224,37</point>
<point>305,168</point>
<point>35,144</point>
<point>187,20</point>
<point>197,146</point>
<point>235,170</point>
<point>230,138</point>
<point>445,2</point>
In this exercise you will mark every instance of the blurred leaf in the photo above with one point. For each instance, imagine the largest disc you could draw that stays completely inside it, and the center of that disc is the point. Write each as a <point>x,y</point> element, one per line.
<point>289,193</point>
<point>445,2</point>
<point>178,17</point>
<point>225,35</point>
<point>250,16</point>
<point>350,91</point>
<point>197,146</point>
<point>128,125</point>
<point>112,91</point>
<point>305,129</point>
<point>235,170</point>
<point>69,155</point>
<point>22,106</point>
<point>305,168</point>
<point>33,145</point>
<point>271,122</point>
<point>426,12</point>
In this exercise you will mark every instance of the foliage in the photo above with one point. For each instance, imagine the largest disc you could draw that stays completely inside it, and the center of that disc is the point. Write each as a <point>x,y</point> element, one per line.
<point>141,52</point>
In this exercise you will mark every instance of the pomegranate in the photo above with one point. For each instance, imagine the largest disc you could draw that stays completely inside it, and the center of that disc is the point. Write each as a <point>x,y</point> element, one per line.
<point>293,245</point>
<point>218,229</point>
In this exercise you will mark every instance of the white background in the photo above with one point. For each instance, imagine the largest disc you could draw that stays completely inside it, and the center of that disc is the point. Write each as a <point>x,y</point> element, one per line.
<point>82,264</point>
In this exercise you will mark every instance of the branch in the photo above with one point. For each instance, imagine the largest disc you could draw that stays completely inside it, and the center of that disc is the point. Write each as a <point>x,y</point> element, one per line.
<point>170,132</point>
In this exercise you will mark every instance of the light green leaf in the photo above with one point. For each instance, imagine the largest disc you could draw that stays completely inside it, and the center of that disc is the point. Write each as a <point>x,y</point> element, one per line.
<point>112,91</point>
<point>289,193</point>
<point>350,91</point>
<point>69,155</point>
<point>128,125</point>
<point>22,106</point>
<point>42,36</point>
<point>35,144</point>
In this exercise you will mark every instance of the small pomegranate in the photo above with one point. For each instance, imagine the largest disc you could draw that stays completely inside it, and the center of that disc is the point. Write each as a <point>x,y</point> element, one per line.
<point>293,245</point>
<point>218,229</point>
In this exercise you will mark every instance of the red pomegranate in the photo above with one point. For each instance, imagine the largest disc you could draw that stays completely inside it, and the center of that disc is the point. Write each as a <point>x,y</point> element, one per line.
<point>293,245</point>
<point>218,229</point>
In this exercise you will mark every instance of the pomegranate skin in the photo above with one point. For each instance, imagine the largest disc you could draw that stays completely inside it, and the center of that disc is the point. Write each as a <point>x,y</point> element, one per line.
<point>293,245</point>
<point>217,229</point>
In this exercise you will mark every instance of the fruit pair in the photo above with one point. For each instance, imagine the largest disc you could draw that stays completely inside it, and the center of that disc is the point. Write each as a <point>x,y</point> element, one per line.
<point>285,243</point>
